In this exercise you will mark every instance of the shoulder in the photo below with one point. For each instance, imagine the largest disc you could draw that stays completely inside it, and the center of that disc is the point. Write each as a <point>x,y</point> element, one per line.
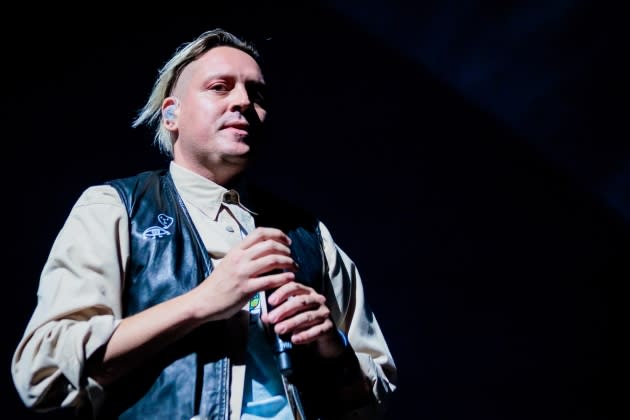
<point>98,195</point>
<point>130,189</point>
<point>109,192</point>
<point>137,179</point>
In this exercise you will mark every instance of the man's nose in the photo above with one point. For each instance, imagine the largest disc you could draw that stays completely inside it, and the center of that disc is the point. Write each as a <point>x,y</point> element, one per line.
<point>240,98</point>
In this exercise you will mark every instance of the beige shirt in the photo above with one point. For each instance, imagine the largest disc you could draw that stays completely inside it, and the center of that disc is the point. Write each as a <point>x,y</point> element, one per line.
<point>79,294</point>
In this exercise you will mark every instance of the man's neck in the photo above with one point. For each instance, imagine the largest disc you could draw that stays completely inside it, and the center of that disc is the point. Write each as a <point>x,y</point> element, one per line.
<point>228,176</point>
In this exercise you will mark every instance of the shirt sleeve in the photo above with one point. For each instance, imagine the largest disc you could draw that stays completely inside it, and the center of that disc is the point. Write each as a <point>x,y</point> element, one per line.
<point>354,317</point>
<point>78,304</point>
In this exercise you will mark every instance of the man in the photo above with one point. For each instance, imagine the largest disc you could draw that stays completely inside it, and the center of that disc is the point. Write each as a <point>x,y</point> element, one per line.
<point>188,293</point>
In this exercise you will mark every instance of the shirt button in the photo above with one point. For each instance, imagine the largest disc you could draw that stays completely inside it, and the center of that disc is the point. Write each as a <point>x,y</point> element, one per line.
<point>230,197</point>
<point>229,229</point>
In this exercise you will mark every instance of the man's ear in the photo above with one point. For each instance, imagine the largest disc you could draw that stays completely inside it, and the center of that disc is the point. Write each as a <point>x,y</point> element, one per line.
<point>170,108</point>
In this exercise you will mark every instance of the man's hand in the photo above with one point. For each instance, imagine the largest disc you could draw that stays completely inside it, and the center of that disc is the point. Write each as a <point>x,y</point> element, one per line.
<point>244,271</point>
<point>300,312</point>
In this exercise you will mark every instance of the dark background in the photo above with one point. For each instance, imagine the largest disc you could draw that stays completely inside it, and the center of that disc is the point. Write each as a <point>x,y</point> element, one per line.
<point>469,156</point>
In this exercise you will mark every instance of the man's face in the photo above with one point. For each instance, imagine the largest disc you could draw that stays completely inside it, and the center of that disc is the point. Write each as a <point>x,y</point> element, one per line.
<point>220,110</point>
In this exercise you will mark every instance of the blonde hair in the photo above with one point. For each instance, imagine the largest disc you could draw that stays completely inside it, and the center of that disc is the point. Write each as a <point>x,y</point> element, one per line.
<point>151,113</point>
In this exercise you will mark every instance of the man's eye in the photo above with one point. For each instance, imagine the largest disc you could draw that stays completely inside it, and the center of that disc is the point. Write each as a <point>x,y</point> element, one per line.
<point>219,87</point>
<point>258,95</point>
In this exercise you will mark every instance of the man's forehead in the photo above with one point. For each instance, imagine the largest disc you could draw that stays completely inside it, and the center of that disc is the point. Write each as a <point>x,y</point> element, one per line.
<point>228,60</point>
<point>219,62</point>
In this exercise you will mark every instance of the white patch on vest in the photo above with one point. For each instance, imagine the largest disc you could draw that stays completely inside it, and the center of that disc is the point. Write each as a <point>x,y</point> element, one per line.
<point>159,231</point>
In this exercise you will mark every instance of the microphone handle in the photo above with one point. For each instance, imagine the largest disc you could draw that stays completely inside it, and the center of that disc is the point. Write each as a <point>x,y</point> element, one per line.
<point>281,349</point>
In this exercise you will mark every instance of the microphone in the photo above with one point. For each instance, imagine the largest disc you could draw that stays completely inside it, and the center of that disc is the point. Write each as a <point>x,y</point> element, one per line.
<point>281,347</point>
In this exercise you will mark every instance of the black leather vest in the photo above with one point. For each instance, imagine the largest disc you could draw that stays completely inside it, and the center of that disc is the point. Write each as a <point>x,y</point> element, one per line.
<point>167,259</point>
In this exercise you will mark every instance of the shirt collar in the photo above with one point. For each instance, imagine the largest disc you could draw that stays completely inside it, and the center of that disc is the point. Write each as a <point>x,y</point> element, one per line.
<point>204,194</point>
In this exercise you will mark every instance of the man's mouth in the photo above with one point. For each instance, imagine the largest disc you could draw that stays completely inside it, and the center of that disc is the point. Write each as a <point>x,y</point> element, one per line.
<point>240,127</point>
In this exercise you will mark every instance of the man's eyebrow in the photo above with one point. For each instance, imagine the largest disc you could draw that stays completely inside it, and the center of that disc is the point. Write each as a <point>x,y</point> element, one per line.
<point>212,76</point>
<point>256,83</point>
<point>227,75</point>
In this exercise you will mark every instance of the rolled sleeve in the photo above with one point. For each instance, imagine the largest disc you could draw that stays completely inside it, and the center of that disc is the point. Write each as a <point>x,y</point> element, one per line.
<point>353,316</point>
<point>78,304</point>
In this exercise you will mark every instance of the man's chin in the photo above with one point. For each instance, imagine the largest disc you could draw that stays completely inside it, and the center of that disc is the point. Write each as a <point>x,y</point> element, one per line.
<point>240,159</point>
